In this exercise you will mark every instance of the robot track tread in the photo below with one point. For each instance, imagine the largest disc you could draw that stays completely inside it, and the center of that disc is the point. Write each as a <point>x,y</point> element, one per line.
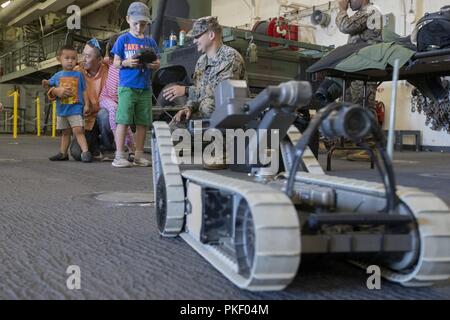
<point>277,236</point>
<point>164,165</point>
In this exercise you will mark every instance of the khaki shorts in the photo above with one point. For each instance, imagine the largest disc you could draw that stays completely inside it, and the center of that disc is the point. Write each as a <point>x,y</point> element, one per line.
<point>68,122</point>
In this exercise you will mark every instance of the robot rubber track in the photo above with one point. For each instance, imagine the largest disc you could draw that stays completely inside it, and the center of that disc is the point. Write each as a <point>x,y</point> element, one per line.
<point>167,177</point>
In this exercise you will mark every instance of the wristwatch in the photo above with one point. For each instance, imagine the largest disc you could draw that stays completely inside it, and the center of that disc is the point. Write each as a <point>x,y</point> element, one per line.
<point>186,91</point>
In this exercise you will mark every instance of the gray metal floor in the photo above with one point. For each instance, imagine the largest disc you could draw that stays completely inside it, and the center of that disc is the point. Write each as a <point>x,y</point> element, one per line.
<point>50,219</point>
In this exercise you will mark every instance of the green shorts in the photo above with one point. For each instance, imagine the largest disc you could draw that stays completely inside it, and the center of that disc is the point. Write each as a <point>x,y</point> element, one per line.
<point>135,107</point>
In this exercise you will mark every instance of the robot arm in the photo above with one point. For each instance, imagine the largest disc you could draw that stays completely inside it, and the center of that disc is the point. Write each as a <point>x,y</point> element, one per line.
<point>234,109</point>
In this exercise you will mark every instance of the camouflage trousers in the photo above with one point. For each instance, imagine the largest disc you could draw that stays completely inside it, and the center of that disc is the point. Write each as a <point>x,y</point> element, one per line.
<point>331,89</point>
<point>355,94</point>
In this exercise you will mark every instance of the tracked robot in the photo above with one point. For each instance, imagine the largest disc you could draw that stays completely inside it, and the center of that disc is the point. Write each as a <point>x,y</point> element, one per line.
<point>254,224</point>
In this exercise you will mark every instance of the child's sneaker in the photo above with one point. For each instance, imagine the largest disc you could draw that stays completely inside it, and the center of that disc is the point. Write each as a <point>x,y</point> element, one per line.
<point>59,157</point>
<point>121,163</point>
<point>86,157</point>
<point>142,162</point>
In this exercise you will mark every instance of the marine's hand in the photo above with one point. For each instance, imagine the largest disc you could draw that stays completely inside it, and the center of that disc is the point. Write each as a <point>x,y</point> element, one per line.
<point>174,92</point>
<point>183,113</point>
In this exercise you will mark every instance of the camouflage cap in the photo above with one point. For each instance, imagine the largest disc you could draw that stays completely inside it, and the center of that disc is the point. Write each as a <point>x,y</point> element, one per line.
<point>202,25</point>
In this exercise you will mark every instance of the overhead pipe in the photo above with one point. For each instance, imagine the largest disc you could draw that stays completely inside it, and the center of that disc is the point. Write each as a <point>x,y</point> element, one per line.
<point>94,6</point>
<point>38,10</point>
<point>8,11</point>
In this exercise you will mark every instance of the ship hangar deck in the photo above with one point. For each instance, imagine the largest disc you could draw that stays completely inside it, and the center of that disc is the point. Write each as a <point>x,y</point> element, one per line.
<point>53,215</point>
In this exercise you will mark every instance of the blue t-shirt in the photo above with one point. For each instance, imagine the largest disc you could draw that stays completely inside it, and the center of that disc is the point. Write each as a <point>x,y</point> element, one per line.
<point>72,105</point>
<point>125,47</point>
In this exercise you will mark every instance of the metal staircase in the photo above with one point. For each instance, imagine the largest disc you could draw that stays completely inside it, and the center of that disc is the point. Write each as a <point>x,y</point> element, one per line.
<point>38,54</point>
<point>35,54</point>
<point>35,50</point>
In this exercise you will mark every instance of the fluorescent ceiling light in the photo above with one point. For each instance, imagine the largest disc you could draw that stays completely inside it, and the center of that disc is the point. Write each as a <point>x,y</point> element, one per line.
<point>5,4</point>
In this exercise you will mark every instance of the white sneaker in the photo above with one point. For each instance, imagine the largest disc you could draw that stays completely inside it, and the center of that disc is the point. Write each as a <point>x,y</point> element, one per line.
<point>121,163</point>
<point>142,162</point>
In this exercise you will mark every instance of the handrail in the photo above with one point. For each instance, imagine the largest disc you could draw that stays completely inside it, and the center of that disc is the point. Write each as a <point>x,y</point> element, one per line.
<point>32,42</point>
<point>39,40</point>
<point>19,59</point>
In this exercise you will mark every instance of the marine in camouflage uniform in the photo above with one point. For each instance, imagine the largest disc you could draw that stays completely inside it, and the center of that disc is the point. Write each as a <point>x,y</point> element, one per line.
<point>227,64</point>
<point>224,64</point>
<point>357,27</point>
<point>209,72</point>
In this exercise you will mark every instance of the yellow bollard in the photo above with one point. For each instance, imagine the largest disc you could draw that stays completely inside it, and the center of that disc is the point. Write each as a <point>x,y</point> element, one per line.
<point>54,119</point>
<point>15,94</point>
<point>38,116</point>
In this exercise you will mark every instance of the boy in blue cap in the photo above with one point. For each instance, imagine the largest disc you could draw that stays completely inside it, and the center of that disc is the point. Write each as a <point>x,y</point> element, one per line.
<point>135,95</point>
